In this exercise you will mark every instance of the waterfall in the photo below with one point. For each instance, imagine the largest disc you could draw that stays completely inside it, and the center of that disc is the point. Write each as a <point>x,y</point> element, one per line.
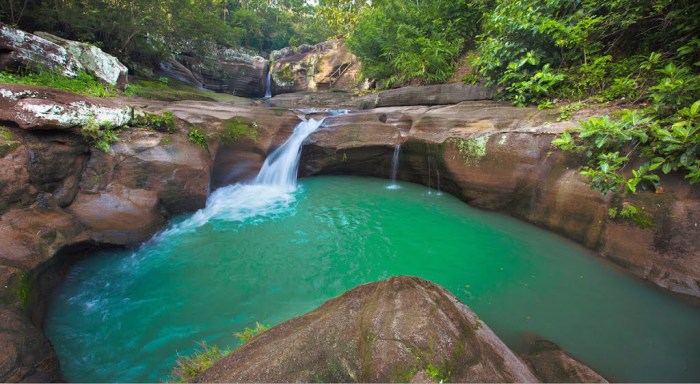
<point>395,167</point>
<point>268,84</point>
<point>280,168</point>
<point>269,195</point>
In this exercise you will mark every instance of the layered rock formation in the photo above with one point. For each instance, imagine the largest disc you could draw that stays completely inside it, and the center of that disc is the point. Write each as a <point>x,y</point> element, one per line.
<point>325,66</point>
<point>230,71</point>
<point>499,157</point>
<point>19,49</point>
<point>397,330</point>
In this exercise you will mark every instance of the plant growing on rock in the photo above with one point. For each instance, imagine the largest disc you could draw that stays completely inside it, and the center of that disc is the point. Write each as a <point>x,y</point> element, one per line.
<point>195,136</point>
<point>188,367</point>
<point>239,128</point>
<point>249,333</point>
<point>164,122</point>
<point>101,139</point>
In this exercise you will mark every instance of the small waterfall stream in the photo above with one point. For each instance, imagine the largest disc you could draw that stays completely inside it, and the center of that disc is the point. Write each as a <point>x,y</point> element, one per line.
<point>268,84</point>
<point>395,167</point>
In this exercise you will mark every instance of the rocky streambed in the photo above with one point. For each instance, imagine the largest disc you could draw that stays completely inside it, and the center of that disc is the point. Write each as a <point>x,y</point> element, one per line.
<point>63,198</point>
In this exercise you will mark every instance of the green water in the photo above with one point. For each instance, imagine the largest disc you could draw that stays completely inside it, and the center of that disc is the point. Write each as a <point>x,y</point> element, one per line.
<point>124,316</point>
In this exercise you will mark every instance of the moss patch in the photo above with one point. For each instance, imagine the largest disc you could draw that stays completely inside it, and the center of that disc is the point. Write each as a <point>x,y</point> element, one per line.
<point>174,90</point>
<point>8,142</point>
<point>470,150</point>
<point>285,74</point>
<point>239,128</point>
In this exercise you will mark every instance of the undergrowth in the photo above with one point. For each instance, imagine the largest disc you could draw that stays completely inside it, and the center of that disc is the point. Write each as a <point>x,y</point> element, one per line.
<point>83,84</point>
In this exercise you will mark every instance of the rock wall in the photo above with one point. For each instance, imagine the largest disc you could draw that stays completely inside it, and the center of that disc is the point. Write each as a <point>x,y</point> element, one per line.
<point>498,157</point>
<point>325,66</point>
<point>229,71</point>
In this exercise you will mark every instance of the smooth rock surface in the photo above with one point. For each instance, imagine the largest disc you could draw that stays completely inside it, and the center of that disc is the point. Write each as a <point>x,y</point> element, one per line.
<point>379,332</point>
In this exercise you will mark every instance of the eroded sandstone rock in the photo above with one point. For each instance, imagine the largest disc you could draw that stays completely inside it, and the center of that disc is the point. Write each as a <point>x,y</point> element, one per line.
<point>324,66</point>
<point>393,330</point>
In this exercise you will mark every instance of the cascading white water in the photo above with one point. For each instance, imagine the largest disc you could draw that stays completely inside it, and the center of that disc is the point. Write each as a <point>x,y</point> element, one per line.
<point>395,167</point>
<point>280,168</point>
<point>268,85</point>
<point>269,195</point>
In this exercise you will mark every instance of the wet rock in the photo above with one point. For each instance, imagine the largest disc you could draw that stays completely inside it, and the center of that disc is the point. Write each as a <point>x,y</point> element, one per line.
<point>93,60</point>
<point>19,49</point>
<point>552,364</point>
<point>324,66</point>
<point>380,332</point>
<point>39,108</point>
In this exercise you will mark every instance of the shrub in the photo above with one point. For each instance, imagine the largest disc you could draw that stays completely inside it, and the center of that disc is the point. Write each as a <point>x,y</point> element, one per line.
<point>195,136</point>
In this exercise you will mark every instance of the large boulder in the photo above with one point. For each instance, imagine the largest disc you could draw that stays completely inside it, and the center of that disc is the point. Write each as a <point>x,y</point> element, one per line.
<point>325,66</point>
<point>499,157</point>
<point>230,71</point>
<point>19,49</point>
<point>93,60</point>
<point>39,108</point>
<point>399,329</point>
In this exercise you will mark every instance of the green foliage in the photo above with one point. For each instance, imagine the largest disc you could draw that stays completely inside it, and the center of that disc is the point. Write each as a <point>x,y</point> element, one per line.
<point>400,42</point>
<point>195,136</point>
<point>174,90</point>
<point>566,111</point>
<point>597,46</point>
<point>188,367</point>
<point>239,128</point>
<point>631,213</point>
<point>83,84</point>
<point>249,333</point>
<point>101,139</point>
<point>164,122</point>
